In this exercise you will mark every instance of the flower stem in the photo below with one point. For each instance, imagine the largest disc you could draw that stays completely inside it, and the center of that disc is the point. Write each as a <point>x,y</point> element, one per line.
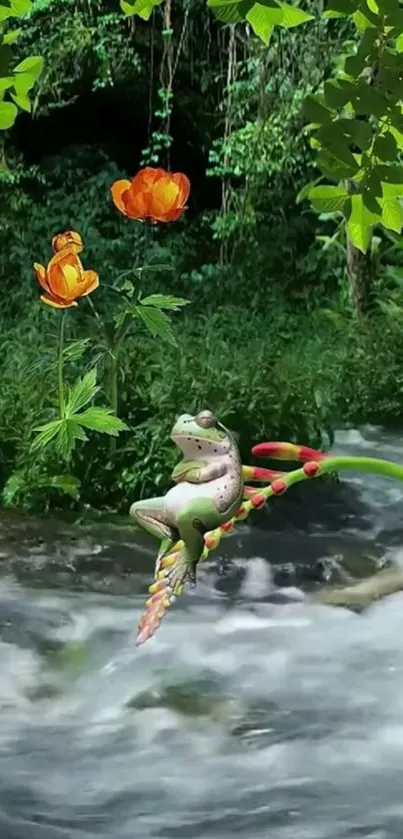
<point>113,382</point>
<point>62,406</point>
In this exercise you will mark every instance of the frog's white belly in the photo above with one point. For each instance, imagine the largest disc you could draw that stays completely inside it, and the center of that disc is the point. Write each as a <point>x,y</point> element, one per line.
<point>183,494</point>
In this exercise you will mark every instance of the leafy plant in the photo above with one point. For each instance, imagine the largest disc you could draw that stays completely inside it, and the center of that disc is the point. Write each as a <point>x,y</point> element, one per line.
<point>15,82</point>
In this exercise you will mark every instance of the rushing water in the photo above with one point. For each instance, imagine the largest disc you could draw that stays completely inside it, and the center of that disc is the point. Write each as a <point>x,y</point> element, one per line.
<point>245,716</point>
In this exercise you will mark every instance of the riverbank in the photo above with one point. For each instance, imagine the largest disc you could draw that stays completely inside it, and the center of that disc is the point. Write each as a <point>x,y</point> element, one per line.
<point>272,375</point>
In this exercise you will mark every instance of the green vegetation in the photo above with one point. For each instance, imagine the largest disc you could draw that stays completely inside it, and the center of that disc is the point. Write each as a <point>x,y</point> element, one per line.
<point>295,322</point>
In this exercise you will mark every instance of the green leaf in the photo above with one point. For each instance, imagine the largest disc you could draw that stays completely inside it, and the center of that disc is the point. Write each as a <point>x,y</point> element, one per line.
<point>265,14</point>
<point>157,323</point>
<point>344,132</point>
<point>164,301</point>
<point>5,12</point>
<point>75,349</point>
<point>260,21</point>
<point>337,93</point>
<point>331,166</point>
<point>305,190</point>
<point>335,141</point>
<point>63,432</point>
<point>8,114</point>
<point>46,433</point>
<point>328,199</point>
<point>292,15</point>
<point>20,7</point>
<point>142,8</point>
<point>28,72</point>
<point>360,223</point>
<point>12,36</point>
<point>83,392</point>
<point>65,483</point>
<point>392,211</point>
<point>102,420</point>
<point>315,111</point>
<point>69,432</point>
<point>340,8</point>
<point>368,101</point>
<point>5,83</point>
<point>230,11</point>
<point>385,147</point>
<point>391,174</point>
<point>22,100</point>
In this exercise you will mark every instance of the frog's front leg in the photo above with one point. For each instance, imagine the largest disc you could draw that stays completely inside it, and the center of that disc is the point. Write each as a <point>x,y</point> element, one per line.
<point>151,515</point>
<point>198,471</point>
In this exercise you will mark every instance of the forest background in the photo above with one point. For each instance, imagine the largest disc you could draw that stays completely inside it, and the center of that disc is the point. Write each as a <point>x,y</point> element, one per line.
<point>287,119</point>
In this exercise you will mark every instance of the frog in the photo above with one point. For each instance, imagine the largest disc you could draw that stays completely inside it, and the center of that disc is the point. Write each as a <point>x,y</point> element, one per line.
<point>207,492</point>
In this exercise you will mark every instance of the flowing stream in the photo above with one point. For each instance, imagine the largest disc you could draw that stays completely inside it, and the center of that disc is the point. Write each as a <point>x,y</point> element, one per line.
<point>254,712</point>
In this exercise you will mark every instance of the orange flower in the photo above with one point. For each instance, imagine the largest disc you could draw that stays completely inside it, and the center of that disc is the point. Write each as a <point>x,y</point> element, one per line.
<point>153,194</point>
<point>64,280</point>
<point>69,239</point>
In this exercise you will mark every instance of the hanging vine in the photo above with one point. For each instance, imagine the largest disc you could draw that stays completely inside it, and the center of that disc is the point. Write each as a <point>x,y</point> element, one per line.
<point>160,139</point>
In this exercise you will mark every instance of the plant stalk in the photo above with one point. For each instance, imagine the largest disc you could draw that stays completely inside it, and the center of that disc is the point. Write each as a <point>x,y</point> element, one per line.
<point>62,404</point>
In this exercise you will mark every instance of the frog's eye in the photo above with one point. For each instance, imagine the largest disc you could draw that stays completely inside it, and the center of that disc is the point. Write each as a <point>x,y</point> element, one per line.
<point>205,419</point>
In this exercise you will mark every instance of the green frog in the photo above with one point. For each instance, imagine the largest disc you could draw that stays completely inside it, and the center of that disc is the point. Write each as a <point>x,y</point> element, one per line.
<point>208,492</point>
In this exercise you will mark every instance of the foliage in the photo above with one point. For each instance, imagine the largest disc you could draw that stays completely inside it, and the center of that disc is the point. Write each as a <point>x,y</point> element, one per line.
<point>287,377</point>
<point>270,342</point>
<point>15,82</point>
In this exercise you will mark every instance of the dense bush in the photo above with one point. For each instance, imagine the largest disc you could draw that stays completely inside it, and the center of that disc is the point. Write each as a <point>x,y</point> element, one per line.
<point>272,374</point>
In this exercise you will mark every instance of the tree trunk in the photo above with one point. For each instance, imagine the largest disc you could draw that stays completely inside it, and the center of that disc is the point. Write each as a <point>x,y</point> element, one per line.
<point>360,272</point>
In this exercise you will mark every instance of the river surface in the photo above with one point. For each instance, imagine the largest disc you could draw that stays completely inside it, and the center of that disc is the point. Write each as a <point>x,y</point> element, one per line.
<point>252,713</point>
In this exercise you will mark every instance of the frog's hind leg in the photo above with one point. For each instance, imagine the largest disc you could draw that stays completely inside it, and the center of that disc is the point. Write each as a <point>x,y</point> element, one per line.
<point>193,522</point>
<point>151,516</point>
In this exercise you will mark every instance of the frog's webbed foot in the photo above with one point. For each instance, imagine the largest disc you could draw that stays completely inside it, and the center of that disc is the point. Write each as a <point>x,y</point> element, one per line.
<point>190,576</point>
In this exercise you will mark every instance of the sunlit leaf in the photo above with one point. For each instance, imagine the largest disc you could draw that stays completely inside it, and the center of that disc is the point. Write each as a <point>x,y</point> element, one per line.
<point>293,15</point>
<point>360,223</point>
<point>64,483</point>
<point>164,301</point>
<point>22,100</point>
<point>260,21</point>
<point>142,8</point>
<point>67,436</point>
<point>385,147</point>
<point>157,323</point>
<point>262,16</point>
<point>75,349</point>
<point>20,7</point>
<point>328,199</point>
<point>102,420</point>
<point>12,36</point>
<point>83,392</point>
<point>340,8</point>
<point>392,211</point>
<point>31,66</point>
<point>46,433</point>
<point>8,115</point>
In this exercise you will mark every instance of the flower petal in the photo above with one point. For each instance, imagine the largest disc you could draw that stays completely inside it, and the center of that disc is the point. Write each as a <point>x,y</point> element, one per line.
<point>165,199</point>
<point>172,215</point>
<point>64,273</point>
<point>69,239</point>
<point>183,183</point>
<point>55,304</point>
<point>146,177</point>
<point>91,282</point>
<point>40,273</point>
<point>138,204</point>
<point>117,191</point>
